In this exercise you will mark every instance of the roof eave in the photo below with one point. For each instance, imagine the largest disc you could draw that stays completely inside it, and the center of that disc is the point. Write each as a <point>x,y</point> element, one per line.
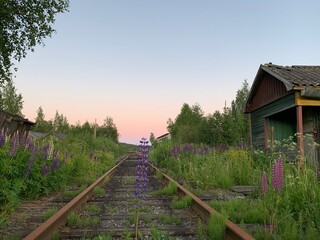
<point>289,86</point>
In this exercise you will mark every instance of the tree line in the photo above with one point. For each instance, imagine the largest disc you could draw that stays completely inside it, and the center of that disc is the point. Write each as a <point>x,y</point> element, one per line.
<point>229,127</point>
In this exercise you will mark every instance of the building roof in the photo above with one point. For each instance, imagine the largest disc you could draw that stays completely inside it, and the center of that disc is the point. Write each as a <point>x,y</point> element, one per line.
<point>294,76</point>
<point>166,135</point>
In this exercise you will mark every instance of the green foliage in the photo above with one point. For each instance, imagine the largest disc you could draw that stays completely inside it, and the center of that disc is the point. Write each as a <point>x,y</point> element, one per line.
<point>168,219</point>
<point>186,126</point>
<point>49,165</point>
<point>108,130</point>
<point>156,234</point>
<point>169,190</point>
<point>74,193</point>
<point>184,202</point>
<point>216,227</point>
<point>242,210</point>
<point>10,101</point>
<point>98,191</point>
<point>229,127</point>
<point>49,213</point>
<point>92,208</point>
<point>77,220</point>
<point>204,170</point>
<point>24,24</point>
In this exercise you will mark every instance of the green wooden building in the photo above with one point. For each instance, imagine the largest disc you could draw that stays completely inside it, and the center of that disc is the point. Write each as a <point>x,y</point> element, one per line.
<point>284,101</point>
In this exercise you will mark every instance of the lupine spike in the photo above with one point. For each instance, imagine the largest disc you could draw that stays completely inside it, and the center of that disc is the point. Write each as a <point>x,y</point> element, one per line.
<point>142,169</point>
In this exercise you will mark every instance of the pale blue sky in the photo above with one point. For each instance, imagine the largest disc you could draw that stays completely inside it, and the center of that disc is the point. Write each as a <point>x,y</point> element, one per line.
<point>139,61</point>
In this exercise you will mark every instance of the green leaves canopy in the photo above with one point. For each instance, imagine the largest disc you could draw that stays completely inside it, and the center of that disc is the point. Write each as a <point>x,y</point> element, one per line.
<point>23,25</point>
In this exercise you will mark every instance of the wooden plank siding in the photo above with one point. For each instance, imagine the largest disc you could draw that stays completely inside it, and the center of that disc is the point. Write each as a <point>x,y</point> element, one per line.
<point>268,90</point>
<point>258,118</point>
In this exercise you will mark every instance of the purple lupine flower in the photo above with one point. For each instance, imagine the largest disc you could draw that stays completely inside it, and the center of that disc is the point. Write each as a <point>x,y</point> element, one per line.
<point>188,148</point>
<point>55,163</point>
<point>222,147</point>
<point>175,151</point>
<point>277,175</point>
<point>45,150</point>
<point>280,172</point>
<point>14,145</point>
<point>264,183</point>
<point>29,144</point>
<point>2,138</point>
<point>45,170</point>
<point>142,169</point>
<point>206,149</point>
<point>31,161</point>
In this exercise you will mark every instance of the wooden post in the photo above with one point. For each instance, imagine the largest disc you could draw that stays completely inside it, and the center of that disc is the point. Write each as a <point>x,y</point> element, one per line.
<point>300,137</point>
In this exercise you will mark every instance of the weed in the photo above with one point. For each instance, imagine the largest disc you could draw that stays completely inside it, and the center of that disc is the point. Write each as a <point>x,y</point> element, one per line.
<point>202,230</point>
<point>73,194</point>
<point>156,234</point>
<point>216,227</point>
<point>49,213</point>
<point>55,235</point>
<point>111,209</point>
<point>93,208</point>
<point>76,220</point>
<point>182,203</point>
<point>13,236</point>
<point>98,192</point>
<point>169,190</point>
<point>103,237</point>
<point>168,219</point>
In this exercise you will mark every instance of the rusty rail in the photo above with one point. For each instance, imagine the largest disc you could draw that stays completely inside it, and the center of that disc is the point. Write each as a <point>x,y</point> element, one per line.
<point>233,232</point>
<point>46,230</point>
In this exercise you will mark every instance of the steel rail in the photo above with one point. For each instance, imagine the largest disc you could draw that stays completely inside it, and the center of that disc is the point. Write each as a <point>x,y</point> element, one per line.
<point>46,230</point>
<point>233,232</point>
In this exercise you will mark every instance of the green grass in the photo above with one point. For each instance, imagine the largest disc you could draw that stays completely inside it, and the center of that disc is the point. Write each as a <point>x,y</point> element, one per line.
<point>169,190</point>
<point>216,227</point>
<point>242,210</point>
<point>98,192</point>
<point>77,220</point>
<point>184,202</point>
<point>168,219</point>
<point>92,208</point>
<point>49,213</point>
<point>111,209</point>
<point>74,193</point>
<point>129,180</point>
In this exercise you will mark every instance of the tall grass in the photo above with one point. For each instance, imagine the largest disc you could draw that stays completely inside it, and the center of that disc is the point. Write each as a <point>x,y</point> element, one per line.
<point>206,169</point>
<point>290,210</point>
<point>31,169</point>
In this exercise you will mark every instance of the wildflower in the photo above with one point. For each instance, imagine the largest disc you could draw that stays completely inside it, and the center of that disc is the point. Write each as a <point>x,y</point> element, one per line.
<point>175,151</point>
<point>45,170</point>
<point>142,169</point>
<point>188,148</point>
<point>277,175</point>
<point>29,144</point>
<point>2,138</point>
<point>31,161</point>
<point>14,145</point>
<point>55,163</point>
<point>264,183</point>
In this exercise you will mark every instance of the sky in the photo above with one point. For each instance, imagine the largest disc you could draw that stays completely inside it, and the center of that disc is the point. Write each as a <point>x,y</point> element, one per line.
<point>139,61</point>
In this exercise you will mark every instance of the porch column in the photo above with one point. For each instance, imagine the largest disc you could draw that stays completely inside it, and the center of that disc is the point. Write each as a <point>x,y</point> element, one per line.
<point>300,136</point>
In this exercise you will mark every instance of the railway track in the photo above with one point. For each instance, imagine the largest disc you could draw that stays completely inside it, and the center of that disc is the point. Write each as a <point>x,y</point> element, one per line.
<point>108,210</point>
